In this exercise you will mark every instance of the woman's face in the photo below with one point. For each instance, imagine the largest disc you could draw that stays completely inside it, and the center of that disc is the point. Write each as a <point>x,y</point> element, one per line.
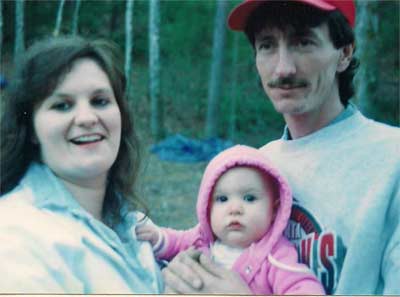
<point>78,127</point>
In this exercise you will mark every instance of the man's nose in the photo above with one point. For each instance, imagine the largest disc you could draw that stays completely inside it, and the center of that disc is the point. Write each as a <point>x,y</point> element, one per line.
<point>285,66</point>
<point>85,115</point>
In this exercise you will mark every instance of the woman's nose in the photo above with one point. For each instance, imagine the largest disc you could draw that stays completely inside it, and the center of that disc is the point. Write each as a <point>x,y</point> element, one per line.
<point>85,115</point>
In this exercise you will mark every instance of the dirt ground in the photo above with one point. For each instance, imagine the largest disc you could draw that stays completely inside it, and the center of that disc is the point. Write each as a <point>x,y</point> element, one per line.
<point>170,190</point>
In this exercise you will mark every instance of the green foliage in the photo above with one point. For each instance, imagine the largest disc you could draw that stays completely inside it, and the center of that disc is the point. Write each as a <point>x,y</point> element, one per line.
<point>186,32</point>
<point>378,50</point>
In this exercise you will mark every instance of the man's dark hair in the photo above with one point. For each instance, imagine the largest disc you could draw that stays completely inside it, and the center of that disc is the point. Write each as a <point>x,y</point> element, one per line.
<point>290,14</point>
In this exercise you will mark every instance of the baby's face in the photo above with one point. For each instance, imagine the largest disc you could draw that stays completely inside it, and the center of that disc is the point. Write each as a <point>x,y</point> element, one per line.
<point>241,207</point>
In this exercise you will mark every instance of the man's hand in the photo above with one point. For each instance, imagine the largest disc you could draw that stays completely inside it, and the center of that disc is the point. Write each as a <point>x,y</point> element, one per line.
<point>193,273</point>
<point>147,232</point>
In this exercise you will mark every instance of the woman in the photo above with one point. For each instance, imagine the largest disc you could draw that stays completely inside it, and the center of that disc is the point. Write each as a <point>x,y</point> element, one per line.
<point>69,161</point>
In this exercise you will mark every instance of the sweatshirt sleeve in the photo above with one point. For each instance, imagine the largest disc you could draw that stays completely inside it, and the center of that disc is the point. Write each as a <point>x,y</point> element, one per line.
<point>289,277</point>
<point>175,241</point>
<point>391,262</point>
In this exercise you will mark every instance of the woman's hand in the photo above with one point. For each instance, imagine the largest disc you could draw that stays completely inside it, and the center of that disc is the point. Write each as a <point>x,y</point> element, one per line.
<point>191,272</point>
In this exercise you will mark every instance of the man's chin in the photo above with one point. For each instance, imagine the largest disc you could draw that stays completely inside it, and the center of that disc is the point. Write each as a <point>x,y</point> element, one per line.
<point>288,107</point>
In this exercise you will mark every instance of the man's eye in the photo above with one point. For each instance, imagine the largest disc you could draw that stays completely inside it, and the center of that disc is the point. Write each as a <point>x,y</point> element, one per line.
<point>249,198</point>
<point>221,198</point>
<point>304,42</point>
<point>61,106</point>
<point>100,101</point>
<point>265,46</point>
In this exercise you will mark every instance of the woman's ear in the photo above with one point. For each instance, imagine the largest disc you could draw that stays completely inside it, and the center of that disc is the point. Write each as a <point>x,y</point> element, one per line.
<point>345,57</point>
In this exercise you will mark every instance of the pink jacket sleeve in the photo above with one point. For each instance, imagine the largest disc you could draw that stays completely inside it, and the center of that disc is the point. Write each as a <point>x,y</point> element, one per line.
<point>175,241</point>
<point>286,276</point>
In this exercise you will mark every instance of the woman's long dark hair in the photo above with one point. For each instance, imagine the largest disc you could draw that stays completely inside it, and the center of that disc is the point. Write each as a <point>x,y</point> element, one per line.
<point>39,72</point>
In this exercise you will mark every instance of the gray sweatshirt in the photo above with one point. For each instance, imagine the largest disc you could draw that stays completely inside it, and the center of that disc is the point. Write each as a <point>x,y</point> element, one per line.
<point>345,220</point>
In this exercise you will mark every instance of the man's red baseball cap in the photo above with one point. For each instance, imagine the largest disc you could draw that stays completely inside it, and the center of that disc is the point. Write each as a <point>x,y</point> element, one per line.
<point>237,19</point>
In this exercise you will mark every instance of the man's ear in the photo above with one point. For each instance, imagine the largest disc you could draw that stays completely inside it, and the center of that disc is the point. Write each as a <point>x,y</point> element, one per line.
<point>346,55</point>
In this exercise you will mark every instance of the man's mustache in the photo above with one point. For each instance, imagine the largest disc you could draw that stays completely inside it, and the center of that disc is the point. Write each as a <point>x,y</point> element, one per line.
<point>288,82</point>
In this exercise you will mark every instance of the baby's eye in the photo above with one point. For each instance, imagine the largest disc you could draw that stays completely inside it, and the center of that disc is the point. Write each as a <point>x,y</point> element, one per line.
<point>62,106</point>
<point>221,198</point>
<point>249,198</point>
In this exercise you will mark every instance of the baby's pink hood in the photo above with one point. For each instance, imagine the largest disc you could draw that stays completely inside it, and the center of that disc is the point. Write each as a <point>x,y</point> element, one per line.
<point>241,155</point>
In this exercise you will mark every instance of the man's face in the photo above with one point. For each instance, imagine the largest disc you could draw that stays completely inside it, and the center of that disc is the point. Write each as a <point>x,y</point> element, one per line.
<point>298,69</point>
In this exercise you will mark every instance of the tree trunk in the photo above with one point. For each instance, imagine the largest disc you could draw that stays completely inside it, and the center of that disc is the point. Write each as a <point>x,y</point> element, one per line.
<point>59,18</point>
<point>1,28</point>
<point>154,70</point>
<point>113,18</point>
<point>365,76</point>
<point>128,45</point>
<point>234,89</point>
<point>75,18</point>
<point>19,30</point>
<point>377,48</point>
<point>216,69</point>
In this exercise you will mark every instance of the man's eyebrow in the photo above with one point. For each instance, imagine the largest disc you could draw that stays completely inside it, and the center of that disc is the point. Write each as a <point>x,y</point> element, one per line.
<point>262,36</point>
<point>304,32</point>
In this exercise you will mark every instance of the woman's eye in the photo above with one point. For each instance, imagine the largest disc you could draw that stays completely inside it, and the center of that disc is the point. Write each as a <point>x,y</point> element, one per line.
<point>221,198</point>
<point>100,101</point>
<point>249,198</point>
<point>61,106</point>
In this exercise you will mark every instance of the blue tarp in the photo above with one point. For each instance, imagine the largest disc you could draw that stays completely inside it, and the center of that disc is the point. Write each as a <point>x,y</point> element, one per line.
<point>3,82</point>
<point>178,148</point>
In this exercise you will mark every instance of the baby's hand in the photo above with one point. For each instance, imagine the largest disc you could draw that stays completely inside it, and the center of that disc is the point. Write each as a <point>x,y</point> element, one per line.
<point>147,232</point>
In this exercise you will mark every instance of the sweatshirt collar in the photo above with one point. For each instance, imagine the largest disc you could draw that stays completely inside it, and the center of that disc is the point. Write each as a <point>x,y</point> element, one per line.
<point>346,113</point>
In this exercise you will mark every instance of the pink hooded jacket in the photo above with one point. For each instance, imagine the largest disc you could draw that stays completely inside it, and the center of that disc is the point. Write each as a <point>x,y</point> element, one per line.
<point>269,266</point>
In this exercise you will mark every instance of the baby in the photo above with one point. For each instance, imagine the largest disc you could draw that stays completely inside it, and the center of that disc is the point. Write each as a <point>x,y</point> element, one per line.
<point>243,208</point>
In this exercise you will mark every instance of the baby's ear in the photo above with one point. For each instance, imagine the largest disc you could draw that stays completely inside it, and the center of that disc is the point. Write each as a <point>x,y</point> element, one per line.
<point>277,203</point>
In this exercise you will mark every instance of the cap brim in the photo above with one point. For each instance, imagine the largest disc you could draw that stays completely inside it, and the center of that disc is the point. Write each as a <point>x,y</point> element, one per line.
<point>237,19</point>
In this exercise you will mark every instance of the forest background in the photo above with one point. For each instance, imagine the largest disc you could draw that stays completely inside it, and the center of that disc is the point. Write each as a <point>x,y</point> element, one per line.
<point>190,75</point>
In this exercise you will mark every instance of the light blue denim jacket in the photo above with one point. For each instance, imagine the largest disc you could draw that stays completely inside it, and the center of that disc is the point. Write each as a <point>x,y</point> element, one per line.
<point>50,244</point>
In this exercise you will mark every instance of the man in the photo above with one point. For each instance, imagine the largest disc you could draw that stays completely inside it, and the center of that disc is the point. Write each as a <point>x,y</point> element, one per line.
<point>344,169</point>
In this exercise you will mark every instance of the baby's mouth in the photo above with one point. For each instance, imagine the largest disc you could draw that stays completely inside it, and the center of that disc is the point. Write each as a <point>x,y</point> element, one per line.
<point>235,225</point>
